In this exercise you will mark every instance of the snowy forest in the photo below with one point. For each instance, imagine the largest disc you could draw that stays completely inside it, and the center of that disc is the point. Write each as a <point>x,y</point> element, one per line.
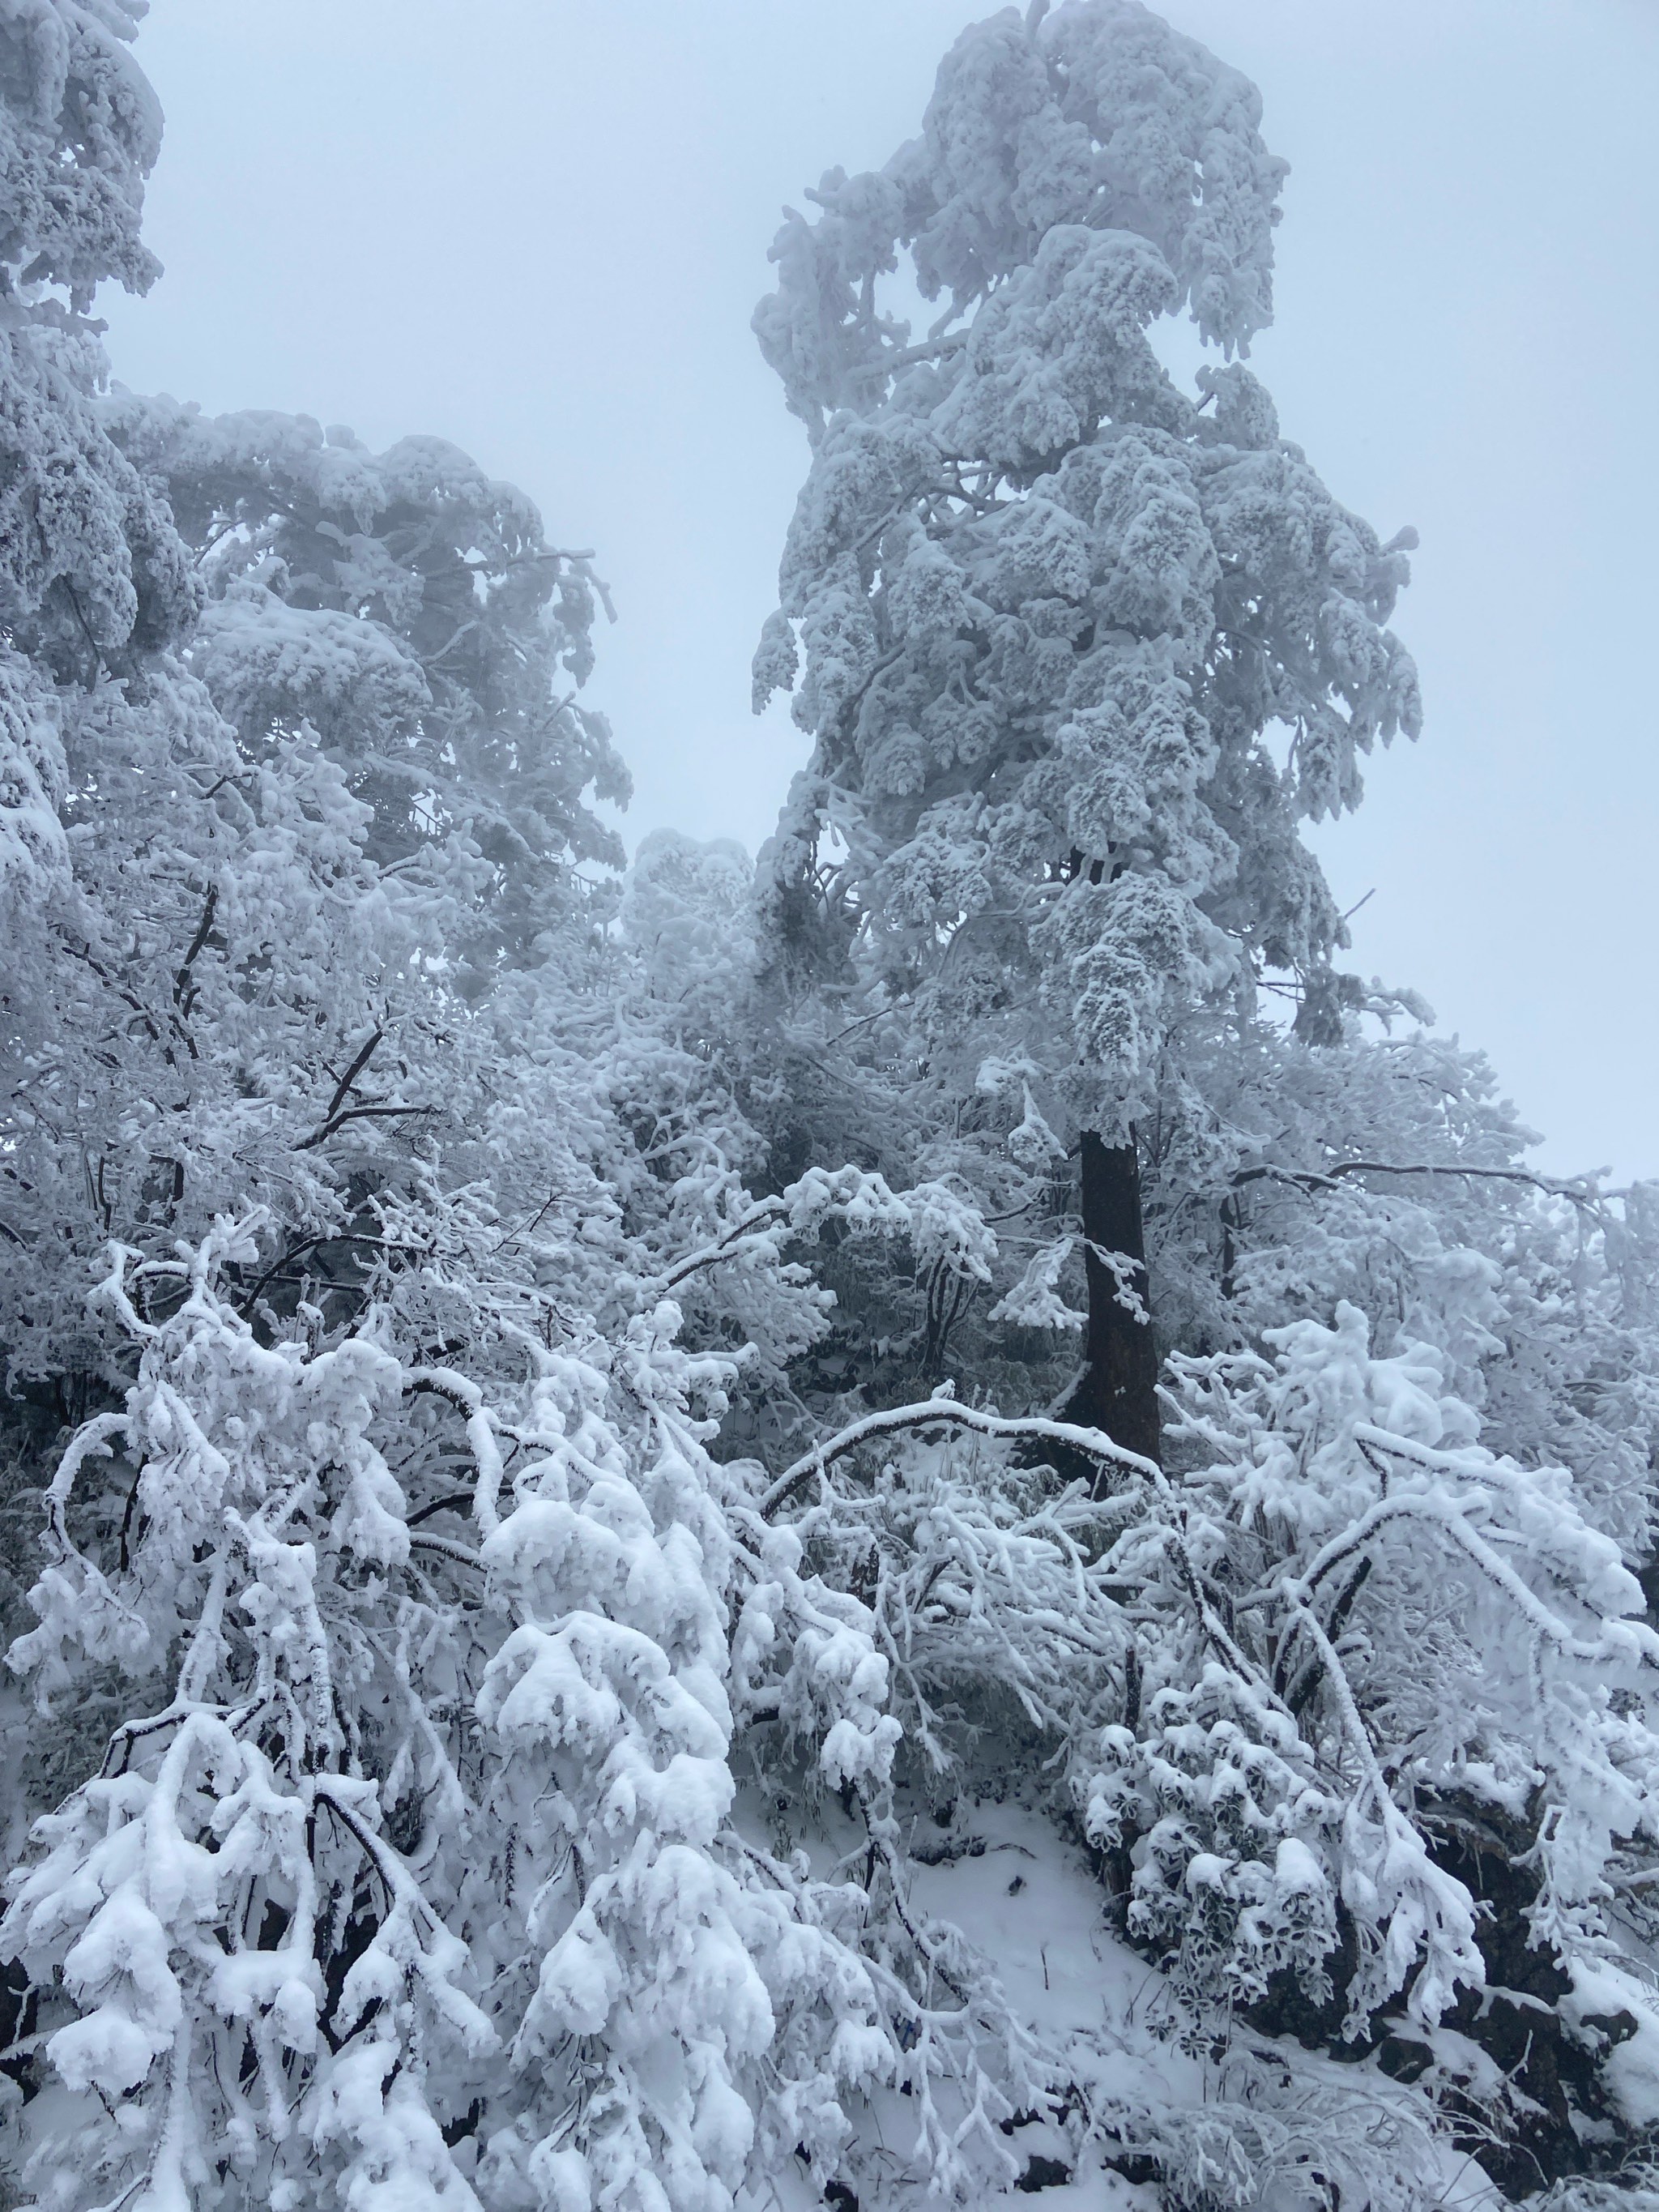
<point>933,1517</point>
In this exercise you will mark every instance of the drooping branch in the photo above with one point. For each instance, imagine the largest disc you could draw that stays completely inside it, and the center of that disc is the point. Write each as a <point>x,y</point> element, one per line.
<point>91,1442</point>
<point>1621,1639</point>
<point>465,1396</point>
<point>947,1413</point>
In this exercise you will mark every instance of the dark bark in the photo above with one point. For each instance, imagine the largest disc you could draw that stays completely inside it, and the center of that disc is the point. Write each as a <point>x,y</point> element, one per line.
<point>1117,1391</point>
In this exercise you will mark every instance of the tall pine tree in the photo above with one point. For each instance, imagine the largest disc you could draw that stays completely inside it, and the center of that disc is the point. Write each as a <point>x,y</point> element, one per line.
<point>1080,652</point>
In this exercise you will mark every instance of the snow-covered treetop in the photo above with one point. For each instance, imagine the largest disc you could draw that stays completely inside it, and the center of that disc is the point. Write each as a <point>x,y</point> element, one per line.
<point>80,129</point>
<point>1099,119</point>
<point>1080,651</point>
<point>408,608</point>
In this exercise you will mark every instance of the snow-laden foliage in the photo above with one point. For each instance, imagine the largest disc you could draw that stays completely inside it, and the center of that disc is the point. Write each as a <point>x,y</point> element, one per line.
<point>89,568</point>
<point>292,852</point>
<point>421,1866</point>
<point>417,1876</point>
<point>1387,1172</point>
<point>1051,607</point>
<point>1297,1688</point>
<point>560,1661</point>
<point>410,611</point>
<point>426,1836</point>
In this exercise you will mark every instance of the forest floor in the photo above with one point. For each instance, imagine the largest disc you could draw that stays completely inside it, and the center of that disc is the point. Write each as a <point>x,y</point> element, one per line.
<point>1027,1899</point>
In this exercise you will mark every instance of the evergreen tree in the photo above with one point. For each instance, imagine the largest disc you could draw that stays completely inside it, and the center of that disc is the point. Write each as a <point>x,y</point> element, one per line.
<point>1055,616</point>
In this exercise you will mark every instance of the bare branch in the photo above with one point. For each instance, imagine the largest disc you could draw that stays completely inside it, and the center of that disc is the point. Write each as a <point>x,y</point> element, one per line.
<point>343,1088</point>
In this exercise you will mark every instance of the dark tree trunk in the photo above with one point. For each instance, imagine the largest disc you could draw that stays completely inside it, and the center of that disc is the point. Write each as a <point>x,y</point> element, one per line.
<point>1117,1390</point>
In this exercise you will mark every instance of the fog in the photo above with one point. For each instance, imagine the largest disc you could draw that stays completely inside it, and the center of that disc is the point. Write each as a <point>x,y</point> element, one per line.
<point>539,229</point>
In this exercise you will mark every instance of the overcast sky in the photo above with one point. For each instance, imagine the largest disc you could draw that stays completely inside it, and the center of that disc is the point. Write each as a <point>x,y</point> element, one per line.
<point>538,228</point>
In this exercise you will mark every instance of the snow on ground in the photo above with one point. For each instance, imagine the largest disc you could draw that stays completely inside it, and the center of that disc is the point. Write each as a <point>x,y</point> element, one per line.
<point>1027,1899</point>
<point>1031,1903</point>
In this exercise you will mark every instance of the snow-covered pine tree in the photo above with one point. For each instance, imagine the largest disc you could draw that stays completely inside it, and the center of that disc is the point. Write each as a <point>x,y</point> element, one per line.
<point>1055,616</point>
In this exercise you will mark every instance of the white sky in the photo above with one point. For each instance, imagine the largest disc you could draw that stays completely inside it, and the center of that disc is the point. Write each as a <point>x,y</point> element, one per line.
<point>538,228</point>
